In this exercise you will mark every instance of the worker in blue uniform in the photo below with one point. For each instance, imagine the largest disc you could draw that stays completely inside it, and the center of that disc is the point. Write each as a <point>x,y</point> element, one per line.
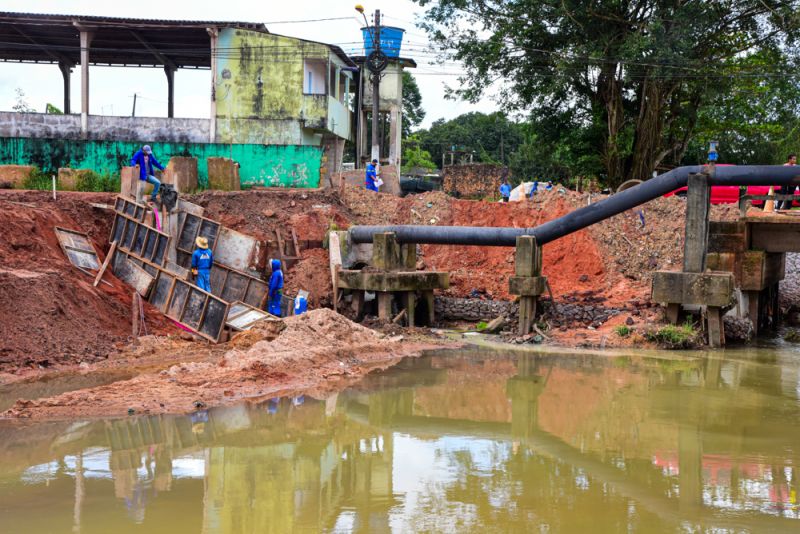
<point>371,175</point>
<point>146,160</point>
<point>202,260</point>
<point>275,287</point>
<point>505,190</point>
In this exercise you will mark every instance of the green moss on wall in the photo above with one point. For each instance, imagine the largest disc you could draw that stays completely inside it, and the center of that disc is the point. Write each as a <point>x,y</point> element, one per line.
<point>268,165</point>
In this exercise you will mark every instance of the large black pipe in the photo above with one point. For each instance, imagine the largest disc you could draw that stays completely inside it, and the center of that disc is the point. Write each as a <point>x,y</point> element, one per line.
<point>586,216</point>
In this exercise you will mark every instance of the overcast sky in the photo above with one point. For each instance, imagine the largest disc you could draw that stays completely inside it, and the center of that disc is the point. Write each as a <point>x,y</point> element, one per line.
<point>112,88</point>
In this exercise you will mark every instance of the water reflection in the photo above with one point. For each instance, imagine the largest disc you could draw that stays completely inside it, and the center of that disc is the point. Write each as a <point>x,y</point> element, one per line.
<point>471,442</point>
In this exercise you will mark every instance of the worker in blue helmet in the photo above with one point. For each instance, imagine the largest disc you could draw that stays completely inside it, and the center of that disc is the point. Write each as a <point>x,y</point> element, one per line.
<point>275,287</point>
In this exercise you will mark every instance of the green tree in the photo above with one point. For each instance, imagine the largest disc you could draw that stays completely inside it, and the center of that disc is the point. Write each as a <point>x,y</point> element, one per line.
<point>490,138</point>
<point>415,157</point>
<point>53,110</point>
<point>413,114</point>
<point>639,73</point>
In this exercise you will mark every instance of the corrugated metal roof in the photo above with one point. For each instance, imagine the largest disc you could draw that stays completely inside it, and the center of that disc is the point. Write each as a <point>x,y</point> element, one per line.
<point>52,38</point>
<point>126,21</point>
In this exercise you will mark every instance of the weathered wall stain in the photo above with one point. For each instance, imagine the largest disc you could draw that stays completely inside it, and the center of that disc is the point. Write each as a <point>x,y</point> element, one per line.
<point>268,165</point>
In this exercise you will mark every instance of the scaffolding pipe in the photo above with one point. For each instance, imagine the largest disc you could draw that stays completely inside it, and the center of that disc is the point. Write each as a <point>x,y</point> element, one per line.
<point>581,218</point>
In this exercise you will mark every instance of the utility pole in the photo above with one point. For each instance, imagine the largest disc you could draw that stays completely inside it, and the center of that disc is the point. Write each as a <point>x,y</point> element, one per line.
<point>376,90</point>
<point>133,112</point>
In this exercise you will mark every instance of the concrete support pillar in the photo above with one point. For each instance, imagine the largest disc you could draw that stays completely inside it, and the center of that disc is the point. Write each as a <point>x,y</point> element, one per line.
<point>214,35</point>
<point>66,72</point>
<point>698,205</point>
<point>395,133</point>
<point>753,310</point>
<point>695,248</point>
<point>384,305</point>
<point>170,72</point>
<point>528,264</point>
<point>411,302</point>
<point>429,302</point>
<point>86,41</point>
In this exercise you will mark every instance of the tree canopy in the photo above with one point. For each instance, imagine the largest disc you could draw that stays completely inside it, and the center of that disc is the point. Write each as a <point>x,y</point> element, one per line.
<point>623,87</point>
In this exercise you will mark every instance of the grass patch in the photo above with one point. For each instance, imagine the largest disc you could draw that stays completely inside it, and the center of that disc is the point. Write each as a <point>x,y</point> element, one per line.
<point>675,337</point>
<point>481,326</point>
<point>623,330</point>
<point>38,179</point>
<point>99,183</point>
<point>88,181</point>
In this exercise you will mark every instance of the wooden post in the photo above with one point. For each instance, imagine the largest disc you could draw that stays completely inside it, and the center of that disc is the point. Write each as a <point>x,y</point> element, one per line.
<point>698,205</point>
<point>410,303</point>
<point>429,301</point>
<point>106,261</point>
<point>673,311</point>
<point>528,262</point>
<point>384,305</point>
<point>135,327</point>
<point>358,304</point>
<point>753,310</point>
<point>716,335</point>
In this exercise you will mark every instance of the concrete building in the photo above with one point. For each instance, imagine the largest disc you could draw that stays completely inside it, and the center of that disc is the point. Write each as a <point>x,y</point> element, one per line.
<point>281,107</point>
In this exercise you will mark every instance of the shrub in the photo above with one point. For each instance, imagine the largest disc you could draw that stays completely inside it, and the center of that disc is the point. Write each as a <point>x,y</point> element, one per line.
<point>481,326</point>
<point>675,337</point>
<point>100,183</point>
<point>623,330</point>
<point>38,179</point>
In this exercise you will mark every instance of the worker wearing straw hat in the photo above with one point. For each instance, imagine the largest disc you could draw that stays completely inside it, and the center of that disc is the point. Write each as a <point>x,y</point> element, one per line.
<point>202,259</point>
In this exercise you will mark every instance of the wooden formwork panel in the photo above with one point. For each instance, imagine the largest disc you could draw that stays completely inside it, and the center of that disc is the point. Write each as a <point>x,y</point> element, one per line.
<point>77,248</point>
<point>139,239</point>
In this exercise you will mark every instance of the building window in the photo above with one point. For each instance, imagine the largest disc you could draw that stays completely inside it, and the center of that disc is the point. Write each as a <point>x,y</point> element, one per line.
<point>314,77</point>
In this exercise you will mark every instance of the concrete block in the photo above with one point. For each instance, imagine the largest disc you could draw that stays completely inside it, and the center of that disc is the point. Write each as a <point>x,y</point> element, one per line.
<point>710,288</point>
<point>761,270</point>
<point>130,183</point>
<point>181,172</point>
<point>15,175</point>
<point>394,281</point>
<point>223,174</point>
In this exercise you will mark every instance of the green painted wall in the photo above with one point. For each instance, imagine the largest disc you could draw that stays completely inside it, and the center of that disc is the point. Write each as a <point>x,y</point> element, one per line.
<point>268,165</point>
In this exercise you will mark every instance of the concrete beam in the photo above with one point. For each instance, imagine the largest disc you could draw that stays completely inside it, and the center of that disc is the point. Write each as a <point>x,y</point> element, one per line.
<point>775,237</point>
<point>394,281</point>
<point>704,289</point>
<point>761,270</point>
<point>698,205</point>
<point>527,286</point>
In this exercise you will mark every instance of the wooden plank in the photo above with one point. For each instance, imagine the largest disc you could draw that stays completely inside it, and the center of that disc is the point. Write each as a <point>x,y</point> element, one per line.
<point>105,264</point>
<point>294,240</point>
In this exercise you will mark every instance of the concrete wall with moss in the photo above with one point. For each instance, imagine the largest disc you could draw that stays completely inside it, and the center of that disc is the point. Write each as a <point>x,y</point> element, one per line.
<point>259,90</point>
<point>266,165</point>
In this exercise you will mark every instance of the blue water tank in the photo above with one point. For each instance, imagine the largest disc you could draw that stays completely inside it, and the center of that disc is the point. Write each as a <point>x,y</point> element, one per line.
<point>391,40</point>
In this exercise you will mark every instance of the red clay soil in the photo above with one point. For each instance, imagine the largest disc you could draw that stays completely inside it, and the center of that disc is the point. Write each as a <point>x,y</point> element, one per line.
<point>319,351</point>
<point>49,311</point>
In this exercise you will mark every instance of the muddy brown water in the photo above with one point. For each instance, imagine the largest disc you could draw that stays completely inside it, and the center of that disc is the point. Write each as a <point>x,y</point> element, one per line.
<point>466,441</point>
